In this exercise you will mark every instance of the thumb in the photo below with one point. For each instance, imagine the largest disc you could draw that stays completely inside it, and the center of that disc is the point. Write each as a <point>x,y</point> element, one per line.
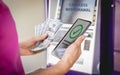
<point>41,38</point>
<point>79,40</point>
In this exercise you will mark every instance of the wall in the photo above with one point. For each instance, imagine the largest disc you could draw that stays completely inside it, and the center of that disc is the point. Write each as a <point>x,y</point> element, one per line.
<point>27,13</point>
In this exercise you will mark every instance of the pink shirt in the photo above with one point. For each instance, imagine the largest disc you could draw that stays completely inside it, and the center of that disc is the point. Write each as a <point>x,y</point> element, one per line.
<point>10,63</point>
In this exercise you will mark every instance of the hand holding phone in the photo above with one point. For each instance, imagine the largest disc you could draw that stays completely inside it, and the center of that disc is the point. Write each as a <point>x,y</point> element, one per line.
<point>77,29</point>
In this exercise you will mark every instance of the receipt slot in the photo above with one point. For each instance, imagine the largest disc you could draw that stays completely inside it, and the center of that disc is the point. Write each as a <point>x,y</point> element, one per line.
<point>68,11</point>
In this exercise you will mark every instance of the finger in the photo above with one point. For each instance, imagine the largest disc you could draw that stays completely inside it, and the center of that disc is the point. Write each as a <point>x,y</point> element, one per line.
<point>42,37</point>
<point>79,40</point>
<point>24,52</point>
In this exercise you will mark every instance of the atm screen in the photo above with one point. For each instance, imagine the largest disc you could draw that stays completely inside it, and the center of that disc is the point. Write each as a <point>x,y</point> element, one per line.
<point>70,10</point>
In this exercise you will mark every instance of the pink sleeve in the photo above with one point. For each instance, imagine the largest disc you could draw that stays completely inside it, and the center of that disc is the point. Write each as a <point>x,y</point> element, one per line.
<point>10,63</point>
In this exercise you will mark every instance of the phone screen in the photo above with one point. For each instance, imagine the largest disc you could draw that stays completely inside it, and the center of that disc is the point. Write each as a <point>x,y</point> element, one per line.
<point>77,29</point>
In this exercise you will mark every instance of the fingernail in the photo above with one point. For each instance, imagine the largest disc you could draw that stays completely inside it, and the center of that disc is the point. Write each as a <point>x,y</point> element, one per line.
<point>46,34</point>
<point>82,36</point>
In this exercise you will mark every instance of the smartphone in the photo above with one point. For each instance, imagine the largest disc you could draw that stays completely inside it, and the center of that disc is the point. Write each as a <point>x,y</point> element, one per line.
<point>77,29</point>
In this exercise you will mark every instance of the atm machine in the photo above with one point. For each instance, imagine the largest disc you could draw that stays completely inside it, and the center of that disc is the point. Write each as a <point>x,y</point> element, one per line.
<point>93,47</point>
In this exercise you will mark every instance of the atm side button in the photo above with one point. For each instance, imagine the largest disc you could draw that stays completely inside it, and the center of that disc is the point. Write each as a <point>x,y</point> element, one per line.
<point>89,34</point>
<point>86,44</point>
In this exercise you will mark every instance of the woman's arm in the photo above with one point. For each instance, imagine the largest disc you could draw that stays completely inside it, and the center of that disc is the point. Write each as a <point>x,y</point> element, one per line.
<point>69,58</point>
